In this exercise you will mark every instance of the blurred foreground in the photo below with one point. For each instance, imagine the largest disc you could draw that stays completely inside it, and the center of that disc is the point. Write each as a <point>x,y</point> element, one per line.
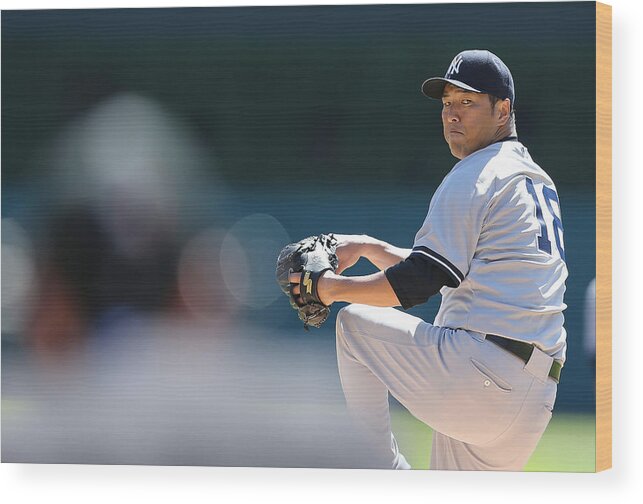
<point>154,391</point>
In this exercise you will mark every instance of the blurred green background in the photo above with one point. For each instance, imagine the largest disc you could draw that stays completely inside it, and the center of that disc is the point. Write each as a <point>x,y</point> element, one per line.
<point>310,116</point>
<point>278,90</point>
<point>568,445</point>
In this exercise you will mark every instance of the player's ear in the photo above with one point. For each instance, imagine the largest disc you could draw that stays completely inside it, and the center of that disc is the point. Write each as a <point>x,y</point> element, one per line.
<point>503,111</point>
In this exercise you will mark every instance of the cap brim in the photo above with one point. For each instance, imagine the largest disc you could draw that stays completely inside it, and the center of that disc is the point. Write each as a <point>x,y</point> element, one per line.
<point>434,87</point>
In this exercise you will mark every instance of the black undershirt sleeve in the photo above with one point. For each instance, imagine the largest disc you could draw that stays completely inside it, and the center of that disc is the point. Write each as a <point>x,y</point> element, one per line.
<point>415,279</point>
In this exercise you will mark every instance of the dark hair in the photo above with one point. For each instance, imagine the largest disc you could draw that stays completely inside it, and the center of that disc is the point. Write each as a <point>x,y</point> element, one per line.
<point>494,99</point>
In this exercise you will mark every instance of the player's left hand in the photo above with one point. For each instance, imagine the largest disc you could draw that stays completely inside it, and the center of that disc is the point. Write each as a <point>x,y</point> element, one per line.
<point>318,292</point>
<point>301,268</point>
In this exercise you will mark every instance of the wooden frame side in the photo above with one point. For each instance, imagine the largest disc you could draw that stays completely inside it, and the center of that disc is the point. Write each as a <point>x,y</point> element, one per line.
<point>603,236</point>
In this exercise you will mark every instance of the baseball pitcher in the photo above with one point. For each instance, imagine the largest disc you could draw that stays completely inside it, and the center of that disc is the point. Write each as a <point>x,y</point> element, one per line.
<point>484,374</point>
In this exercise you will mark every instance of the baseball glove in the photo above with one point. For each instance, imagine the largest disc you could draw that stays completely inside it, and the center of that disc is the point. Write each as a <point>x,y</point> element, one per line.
<point>311,256</point>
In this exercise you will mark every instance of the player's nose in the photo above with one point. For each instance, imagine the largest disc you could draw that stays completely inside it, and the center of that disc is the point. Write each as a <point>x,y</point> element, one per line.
<point>450,115</point>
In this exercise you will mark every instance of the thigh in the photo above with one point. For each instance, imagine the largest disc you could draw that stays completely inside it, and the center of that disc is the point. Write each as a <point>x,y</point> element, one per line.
<point>511,450</point>
<point>452,380</point>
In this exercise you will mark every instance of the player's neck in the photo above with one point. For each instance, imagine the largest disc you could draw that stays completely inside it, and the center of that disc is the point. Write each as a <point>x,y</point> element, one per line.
<point>504,133</point>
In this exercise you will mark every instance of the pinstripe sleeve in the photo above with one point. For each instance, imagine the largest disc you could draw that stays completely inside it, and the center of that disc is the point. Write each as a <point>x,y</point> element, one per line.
<point>451,230</point>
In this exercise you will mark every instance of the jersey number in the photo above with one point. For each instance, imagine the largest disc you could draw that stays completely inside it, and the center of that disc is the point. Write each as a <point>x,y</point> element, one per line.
<point>550,195</point>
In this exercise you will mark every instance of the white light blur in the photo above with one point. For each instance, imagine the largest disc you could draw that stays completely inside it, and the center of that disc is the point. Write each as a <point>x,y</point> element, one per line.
<point>18,277</point>
<point>249,256</point>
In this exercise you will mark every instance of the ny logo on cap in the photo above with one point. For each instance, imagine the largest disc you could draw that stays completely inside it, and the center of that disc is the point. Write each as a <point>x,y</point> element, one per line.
<point>454,67</point>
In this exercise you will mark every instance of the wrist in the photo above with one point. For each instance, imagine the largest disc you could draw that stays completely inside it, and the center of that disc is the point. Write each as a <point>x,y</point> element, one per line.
<point>370,247</point>
<point>327,288</point>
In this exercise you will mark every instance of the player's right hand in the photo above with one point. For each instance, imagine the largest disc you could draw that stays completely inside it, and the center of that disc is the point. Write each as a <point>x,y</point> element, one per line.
<point>349,250</point>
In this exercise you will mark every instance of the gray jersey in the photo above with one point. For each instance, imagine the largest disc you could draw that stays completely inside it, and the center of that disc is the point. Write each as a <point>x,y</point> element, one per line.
<point>494,224</point>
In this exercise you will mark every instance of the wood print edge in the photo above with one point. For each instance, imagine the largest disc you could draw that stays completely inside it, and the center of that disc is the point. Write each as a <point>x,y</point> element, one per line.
<point>603,236</point>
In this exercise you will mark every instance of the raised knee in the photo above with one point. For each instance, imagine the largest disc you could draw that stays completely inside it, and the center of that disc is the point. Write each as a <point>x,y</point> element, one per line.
<point>340,322</point>
<point>347,313</point>
<point>349,317</point>
<point>343,326</point>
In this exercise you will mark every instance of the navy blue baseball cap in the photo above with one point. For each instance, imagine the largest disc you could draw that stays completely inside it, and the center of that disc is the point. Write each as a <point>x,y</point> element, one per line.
<point>475,70</point>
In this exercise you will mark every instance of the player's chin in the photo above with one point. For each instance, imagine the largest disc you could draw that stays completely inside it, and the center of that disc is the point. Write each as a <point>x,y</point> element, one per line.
<point>457,149</point>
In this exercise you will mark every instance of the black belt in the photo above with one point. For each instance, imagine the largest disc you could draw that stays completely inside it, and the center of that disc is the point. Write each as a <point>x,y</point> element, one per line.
<point>523,351</point>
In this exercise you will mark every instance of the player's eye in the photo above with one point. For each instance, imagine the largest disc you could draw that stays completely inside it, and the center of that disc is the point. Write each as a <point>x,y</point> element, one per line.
<point>446,104</point>
<point>466,101</point>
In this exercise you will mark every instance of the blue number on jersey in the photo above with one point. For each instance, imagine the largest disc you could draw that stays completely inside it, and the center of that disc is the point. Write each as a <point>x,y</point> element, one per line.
<point>550,195</point>
<point>543,240</point>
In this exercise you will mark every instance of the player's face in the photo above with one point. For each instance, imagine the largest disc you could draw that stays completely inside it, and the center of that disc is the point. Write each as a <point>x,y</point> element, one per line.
<point>469,121</point>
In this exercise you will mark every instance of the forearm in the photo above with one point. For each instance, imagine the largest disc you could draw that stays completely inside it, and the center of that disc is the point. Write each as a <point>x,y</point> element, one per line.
<point>373,290</point>
<point>382,254</point>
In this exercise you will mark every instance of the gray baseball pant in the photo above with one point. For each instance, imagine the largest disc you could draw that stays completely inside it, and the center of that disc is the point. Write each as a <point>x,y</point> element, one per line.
<point>488,409</point>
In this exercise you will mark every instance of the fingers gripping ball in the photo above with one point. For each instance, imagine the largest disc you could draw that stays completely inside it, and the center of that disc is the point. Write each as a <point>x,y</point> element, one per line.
<point>311,256</point>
